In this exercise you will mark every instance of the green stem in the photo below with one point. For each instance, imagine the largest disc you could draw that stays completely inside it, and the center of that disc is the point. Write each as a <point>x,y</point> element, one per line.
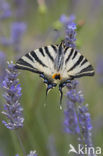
<point>20,142</point>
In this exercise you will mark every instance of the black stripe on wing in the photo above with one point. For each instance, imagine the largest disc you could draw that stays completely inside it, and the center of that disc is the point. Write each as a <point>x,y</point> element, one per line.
<point>29,57</point>
<point>23,65</point>
<point>54,48</point>
<point>86,69</point>
<point>66,50</point>
<point>83,74</point>
<point>60,48</point>
<point>77,63</point>
<point>26,68</point>
<point>48,53</point>
<point>75,54</point>
<point>69,56</point>
<point>41,51</point>
<point>85,60</point>
<point>37,58</point>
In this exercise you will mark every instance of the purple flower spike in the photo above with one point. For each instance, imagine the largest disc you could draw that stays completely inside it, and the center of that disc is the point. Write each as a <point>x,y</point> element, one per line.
<point>66,20</point>
<point>12,108</point>
<point>5,9</point>
<point>2,66</point>
<point>71,118</point>
<point>70,28</point>
<point>32,153</point>
<point>17,31</point>
<point>5,41</point>
<point>63,19</point>
<point>77,118</point>
<point>85,123</point>
<point>99,69</point>
<point>100,65</point>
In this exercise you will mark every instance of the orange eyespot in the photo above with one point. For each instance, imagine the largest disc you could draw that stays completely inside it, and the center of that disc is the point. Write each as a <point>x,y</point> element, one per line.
<point>56,76</point>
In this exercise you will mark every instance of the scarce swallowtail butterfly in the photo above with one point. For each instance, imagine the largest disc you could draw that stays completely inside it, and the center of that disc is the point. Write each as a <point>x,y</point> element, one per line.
<point>56,64</point>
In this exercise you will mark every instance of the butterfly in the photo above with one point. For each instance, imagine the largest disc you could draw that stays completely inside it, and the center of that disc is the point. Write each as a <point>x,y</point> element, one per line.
<point>56,64</point>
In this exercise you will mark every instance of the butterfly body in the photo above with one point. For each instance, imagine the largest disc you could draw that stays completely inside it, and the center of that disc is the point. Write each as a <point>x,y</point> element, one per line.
<point>56,64</point>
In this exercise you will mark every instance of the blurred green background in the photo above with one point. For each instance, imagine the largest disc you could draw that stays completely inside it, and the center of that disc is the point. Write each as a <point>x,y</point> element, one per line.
<point>43,125</point>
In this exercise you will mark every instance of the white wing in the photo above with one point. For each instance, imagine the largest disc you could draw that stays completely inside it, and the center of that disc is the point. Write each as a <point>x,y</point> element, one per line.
<point>76,65</point>
<point>39,61</point>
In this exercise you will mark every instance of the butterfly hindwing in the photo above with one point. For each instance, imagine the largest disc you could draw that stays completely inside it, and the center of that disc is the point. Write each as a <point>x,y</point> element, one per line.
<point>76,65</point>
<point>39,61</point>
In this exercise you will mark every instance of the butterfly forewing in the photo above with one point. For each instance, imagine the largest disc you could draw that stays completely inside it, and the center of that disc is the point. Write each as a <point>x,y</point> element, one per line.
<point>76,65</point>
<point>40,60</point>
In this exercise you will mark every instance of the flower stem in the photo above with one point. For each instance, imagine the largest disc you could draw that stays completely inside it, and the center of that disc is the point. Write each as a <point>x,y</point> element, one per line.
<point>20,142</point>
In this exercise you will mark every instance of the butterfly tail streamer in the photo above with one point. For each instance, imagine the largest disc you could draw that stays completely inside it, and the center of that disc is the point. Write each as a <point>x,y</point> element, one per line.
<point>61,95</point>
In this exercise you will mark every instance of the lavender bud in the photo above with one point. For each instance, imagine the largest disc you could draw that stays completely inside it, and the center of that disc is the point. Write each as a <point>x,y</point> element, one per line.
<point>70,28</point>
<point>12,108</point>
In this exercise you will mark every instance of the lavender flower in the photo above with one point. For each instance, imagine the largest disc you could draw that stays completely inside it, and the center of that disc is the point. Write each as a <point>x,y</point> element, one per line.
<point>77,117</point>
<point>19,2</point>
<point>2,66</point>
<point>85,124</point>
<point>20,8</point>
<point>12,108</point>
<point>5,41</point>
<point>5,9</point>
<point>51,146</point>
<point>71,119</point>
<point>32,153</point>
<point>67,20</point>
<point>17,31</point>
<point>70,28</point>
<point>99,69</point>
